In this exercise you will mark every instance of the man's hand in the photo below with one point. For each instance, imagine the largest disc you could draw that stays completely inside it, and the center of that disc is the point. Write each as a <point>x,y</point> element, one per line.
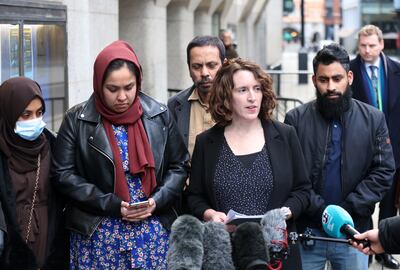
<point>373,237</point>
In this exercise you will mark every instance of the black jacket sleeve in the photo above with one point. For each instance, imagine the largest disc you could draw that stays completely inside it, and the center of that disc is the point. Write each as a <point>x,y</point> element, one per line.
<point>298,200</point>
<point>197,194</point>
<point>69,180</point>
<point>175,168</point>
<point>389,234</point>
<point>373,187</point>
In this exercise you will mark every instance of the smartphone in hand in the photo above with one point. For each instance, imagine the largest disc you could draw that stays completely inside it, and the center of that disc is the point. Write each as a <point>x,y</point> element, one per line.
<point>136,205</point>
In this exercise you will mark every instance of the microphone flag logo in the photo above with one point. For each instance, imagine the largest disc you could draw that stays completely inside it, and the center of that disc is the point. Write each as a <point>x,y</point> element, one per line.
<point>325,218</point>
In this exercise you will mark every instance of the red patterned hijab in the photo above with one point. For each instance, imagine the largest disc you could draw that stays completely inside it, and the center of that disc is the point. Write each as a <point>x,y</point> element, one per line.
<point>141,160</point>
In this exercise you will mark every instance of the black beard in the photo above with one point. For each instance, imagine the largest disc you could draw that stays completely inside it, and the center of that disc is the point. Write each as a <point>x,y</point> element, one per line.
<point>204,91</point>
<point>333,109</point>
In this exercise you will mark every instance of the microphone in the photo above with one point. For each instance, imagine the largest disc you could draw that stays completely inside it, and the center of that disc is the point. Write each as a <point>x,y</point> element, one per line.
<point>186,244</point>
<point>273,226</point>
<point>217,247</point>
<point>338,223</point>
<point>249,248</point>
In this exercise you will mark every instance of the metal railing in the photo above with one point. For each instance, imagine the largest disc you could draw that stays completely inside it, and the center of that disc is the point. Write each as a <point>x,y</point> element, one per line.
<point>278,80</point>
<point>54,112</point>
<point>284,105</point>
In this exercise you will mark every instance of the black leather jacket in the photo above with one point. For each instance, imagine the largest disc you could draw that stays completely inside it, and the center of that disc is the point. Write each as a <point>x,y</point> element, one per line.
<point>367,164</point>
<point>389,234</point>
<point>83,165</point>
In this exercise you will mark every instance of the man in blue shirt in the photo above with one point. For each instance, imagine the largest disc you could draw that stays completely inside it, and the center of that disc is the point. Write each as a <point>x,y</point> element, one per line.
<point>348,157</point>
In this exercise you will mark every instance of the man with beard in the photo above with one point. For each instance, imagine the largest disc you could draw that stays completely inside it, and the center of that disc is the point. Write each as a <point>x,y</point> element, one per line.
<point>205,55</point>
<point>348,158</point>
<point>376,82</point>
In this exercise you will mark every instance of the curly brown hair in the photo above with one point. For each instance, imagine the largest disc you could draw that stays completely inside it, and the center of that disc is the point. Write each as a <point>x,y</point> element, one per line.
<point>221,90</point>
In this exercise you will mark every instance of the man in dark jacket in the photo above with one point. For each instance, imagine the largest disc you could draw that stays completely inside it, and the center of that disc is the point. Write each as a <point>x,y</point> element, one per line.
<point>348,157</point>
<point>384,239</point>
<point>380,88</point>
<point>205,55</point>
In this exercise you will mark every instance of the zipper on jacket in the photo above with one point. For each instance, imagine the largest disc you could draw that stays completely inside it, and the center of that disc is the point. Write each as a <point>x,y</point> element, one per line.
<point>324,158</point>
<point>104,154</point>
<point>343,139</point>
<point>175,212</point>
<point>92,230</point>
<point>380,150</point>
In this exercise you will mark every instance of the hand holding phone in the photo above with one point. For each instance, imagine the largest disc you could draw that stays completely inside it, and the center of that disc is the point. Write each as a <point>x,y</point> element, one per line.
<point>137,205</point>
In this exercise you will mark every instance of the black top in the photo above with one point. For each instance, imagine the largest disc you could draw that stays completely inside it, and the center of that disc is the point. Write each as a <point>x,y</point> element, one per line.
<point>245,189</point>
<point>389,234</point>
<point>247,160</point>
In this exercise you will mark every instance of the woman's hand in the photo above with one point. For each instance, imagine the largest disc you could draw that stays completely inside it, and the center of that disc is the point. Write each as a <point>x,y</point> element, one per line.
<point>287,212</point>
<point>135,214</point>
<point>215,216</point>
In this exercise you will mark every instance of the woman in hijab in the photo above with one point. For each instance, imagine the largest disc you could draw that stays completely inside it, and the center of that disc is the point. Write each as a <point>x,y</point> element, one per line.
<point>29,205</point>
<point>114,151</point>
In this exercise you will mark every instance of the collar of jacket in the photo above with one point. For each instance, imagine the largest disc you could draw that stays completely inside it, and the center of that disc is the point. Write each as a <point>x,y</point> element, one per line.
<point>150,109</point>
<point>382,56</point>
<point>184,98</point>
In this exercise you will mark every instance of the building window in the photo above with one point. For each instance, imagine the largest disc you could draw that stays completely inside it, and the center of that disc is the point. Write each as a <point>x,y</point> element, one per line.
<point>33,44</point>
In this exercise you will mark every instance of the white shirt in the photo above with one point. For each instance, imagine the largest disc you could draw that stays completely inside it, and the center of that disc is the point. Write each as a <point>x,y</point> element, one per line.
<point>377,64</point>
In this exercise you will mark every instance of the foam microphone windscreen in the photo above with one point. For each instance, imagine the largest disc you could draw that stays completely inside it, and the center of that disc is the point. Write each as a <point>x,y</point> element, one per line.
<point>185,244</point>
<point>338,223</point>
<point>217,247</point>
<point>273,225</point>
<point>249,251</point>
<point>333,218</point>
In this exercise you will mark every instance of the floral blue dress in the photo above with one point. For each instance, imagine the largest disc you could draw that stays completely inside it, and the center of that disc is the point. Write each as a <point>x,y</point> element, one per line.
<point>118,244</point>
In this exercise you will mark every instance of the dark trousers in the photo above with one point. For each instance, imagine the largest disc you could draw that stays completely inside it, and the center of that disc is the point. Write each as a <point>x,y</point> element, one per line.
<point>387,206</point>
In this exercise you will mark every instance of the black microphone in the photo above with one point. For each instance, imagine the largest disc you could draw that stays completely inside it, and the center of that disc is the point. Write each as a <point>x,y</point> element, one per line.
<point>273,226</point>
<point>186,244</point>
<point>249,250</point>
<point>217,247</point>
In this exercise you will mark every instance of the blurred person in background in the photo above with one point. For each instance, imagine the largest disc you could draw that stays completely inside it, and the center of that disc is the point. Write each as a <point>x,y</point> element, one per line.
<point>376,82</point>
<point>230,47</point>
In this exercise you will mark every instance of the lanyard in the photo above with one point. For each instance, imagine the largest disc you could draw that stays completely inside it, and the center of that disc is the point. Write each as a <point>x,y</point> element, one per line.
<point>379,93</point>
<point>376,94</point>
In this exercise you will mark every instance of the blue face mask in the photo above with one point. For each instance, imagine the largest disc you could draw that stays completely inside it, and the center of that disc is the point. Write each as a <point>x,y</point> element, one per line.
<point>30,129</point>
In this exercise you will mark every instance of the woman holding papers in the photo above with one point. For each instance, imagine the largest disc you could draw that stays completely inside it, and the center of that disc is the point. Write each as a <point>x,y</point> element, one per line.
<point>247,162</point>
